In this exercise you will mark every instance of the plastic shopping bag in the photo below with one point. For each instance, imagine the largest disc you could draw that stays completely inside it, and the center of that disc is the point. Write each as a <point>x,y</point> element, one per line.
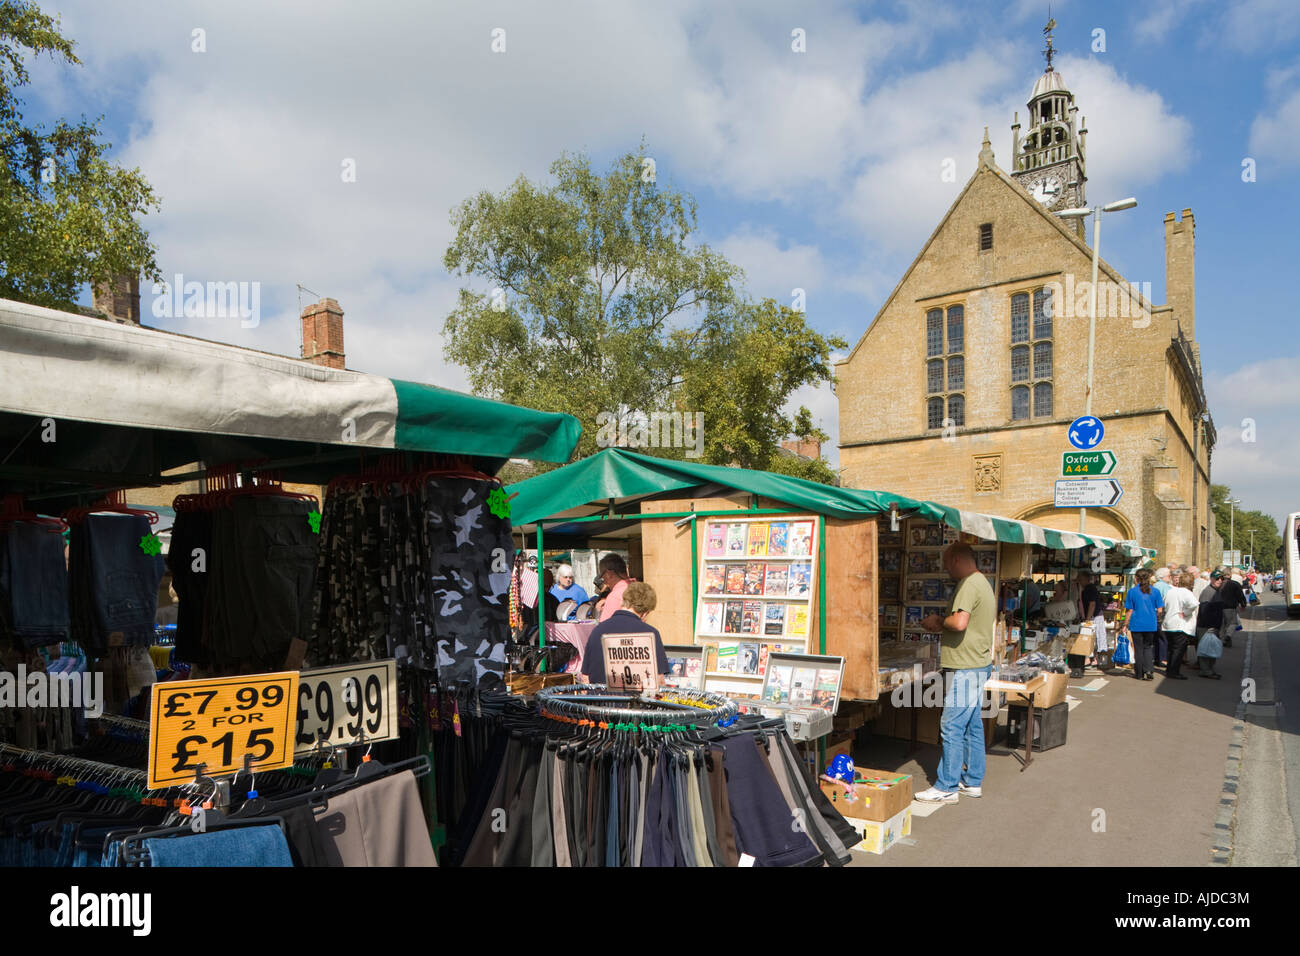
<point>1209,645</point>
<point>1122,654</point>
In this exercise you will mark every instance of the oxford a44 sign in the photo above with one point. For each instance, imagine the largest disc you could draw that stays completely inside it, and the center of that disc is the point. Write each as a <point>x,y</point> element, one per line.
<point>1090,463</point>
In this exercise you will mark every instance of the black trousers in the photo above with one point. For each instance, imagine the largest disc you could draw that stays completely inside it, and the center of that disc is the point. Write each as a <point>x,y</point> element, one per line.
<point>1143,652</point>
<point>1177,645</point>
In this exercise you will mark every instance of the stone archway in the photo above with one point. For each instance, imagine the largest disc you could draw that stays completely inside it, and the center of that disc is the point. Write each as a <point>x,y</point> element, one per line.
<point>1104,522</point>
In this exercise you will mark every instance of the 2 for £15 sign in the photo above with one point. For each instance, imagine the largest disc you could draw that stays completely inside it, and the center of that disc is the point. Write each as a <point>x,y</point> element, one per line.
<point>217,722</point>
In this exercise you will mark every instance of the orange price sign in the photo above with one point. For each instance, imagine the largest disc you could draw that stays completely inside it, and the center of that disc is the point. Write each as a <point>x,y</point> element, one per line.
<point>218,722</point>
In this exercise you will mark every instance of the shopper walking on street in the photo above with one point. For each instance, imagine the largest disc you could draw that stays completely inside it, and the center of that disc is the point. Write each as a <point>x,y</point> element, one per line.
<point>1162,584</point>
<point>1179,623</point>
<point>1145,605</point>
<point>1234,599</point>
<point>1092,611</point>
<point>966,660</point>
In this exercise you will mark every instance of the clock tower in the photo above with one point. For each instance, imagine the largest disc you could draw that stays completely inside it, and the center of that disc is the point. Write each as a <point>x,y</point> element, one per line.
<point>1048,161</point>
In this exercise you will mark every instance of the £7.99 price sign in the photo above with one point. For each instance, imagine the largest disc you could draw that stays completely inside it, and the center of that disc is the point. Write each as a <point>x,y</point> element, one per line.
<point>218,722</point>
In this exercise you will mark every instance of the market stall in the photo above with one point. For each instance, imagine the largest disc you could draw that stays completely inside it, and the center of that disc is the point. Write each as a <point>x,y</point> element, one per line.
<point>269,580</point>
<point>744,557</point>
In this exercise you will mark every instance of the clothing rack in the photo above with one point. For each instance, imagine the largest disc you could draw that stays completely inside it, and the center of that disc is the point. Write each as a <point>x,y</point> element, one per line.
<point>62,762</point>
<point>600,704</point>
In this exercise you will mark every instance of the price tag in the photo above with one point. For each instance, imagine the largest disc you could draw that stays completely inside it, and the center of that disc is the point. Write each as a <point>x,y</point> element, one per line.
<point>349,704</point>
<point>630,662</point>
<point>216,722</point>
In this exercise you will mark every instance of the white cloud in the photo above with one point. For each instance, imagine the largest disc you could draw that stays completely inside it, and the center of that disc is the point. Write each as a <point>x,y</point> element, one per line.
<point>1253,25</point>
<point>773,268</point>
<point>1275,131</point>
<point>1161,17</point>
<point>1121,114</point>
<point>1258,454</point>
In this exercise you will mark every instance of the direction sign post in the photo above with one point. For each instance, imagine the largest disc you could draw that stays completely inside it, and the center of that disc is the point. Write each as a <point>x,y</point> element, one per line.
<point>1085,433</point>
<point>1090,463</point>
<point>1088,493</point>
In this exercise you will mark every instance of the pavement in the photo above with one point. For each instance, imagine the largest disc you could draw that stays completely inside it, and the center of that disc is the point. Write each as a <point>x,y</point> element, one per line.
<point>1139,782</point>
<point>1266,829</point>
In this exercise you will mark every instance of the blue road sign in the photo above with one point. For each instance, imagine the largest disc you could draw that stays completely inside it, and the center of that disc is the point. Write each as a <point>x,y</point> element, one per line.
<point>1086,432</point>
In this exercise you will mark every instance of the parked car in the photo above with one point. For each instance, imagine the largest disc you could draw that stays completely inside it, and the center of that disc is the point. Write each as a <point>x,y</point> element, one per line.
<point>1278,583</point>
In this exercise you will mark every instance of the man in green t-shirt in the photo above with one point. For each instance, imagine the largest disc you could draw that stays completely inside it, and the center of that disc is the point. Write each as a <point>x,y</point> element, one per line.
<point>966,659</point>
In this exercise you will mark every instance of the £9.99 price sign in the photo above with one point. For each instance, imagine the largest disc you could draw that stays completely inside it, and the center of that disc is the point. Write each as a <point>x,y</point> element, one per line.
<point>348,704</point>
<point>217,722</point>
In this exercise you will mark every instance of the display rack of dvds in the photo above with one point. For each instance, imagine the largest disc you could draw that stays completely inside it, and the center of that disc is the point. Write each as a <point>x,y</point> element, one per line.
<point>757,584</point>
<point>889,567</point>
<point>927,588</point>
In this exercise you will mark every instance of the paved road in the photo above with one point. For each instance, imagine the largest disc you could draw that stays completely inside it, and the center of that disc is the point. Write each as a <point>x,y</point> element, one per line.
<point>1267,827</point>
<point>1148,755</point>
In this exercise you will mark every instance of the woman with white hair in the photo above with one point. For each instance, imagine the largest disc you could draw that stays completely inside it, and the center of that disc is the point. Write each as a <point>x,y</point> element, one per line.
<point>565,589</point>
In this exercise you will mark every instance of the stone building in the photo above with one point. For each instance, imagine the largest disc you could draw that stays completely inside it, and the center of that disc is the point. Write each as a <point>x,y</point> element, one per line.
<point>963,386</point>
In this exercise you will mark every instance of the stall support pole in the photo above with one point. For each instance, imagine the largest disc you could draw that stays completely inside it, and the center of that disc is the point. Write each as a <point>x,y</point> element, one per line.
<point>821,613</point>
<point>695,579</point>
<point>541,596</point>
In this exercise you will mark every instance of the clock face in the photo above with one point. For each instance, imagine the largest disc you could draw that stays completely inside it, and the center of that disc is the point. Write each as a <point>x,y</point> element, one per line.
<point>1048,190</point>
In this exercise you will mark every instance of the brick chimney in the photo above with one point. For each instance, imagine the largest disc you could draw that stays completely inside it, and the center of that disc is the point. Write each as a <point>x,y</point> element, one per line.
<point>1180,270</point>
<point>118,299</point>
<point>806,449</point>
<point>322,334</point>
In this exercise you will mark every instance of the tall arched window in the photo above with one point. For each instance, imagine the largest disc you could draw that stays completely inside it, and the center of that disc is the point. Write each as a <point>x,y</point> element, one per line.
<point>957,410</point>
<point>956,373</point>
<point>1043,400</point>
<point>934,376</point>
<point>945,341</point>
<point>1031,338</point>
<point>934,413</point>
<point>1020,403</point>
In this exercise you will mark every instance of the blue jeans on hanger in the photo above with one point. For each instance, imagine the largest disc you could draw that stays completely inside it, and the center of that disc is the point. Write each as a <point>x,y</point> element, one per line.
<point>962,729</point>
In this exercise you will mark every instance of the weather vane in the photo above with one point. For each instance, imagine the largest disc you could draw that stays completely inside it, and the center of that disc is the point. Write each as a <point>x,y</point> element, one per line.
<point>1047,32</point>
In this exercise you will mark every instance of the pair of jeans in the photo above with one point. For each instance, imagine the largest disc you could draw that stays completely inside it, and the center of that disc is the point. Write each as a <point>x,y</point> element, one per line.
<point>1178,641</point>
<point>1143,652</point>
<point>262,846</point>
<point>114,585</point>
<point>33,584</point>
<point>962,728</point>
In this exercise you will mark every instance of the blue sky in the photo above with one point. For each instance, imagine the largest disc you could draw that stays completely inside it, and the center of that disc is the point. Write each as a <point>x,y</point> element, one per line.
<point>817,170</point>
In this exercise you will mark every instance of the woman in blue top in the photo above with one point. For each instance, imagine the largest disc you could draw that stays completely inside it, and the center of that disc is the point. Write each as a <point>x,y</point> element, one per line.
<point>1145,605</point>
<point>564,589</point>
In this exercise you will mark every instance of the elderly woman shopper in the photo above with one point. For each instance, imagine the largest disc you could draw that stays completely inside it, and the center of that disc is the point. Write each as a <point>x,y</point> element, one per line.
<point>1181,608</point>
<point>1145,605</point>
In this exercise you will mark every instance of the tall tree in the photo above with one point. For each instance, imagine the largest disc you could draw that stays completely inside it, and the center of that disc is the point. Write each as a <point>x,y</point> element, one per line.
<point>598,303</point>
<point>67,215</point>
<point>1232,522</point>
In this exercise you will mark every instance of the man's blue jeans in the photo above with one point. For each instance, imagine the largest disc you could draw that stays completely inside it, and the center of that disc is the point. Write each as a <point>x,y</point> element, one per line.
<point>962,728</point>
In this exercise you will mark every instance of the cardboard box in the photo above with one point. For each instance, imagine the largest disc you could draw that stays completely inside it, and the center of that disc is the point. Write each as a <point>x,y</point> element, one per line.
<point>877,837</point>
<point>880,795</point>
<point>1080,644</point>
<point>1050,694</point>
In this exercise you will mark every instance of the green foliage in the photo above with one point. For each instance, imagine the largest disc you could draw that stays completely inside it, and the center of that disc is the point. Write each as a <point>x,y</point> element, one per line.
<point>67,215</point>
<point>597,301</point>
<point>1239,524</point>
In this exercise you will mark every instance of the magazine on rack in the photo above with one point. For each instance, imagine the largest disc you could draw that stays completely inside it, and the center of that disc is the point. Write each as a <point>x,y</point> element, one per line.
<point>757,540</point>
<point>735,540</point>
<point>774,581</point>
<point>714,578</point>
<point>801,539</point>
<point>778,539</point>
<point>754,578</point>
<point>716,541</point>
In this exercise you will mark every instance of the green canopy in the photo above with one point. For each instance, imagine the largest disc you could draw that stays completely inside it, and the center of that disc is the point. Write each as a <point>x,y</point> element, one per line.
<point>622,475</point>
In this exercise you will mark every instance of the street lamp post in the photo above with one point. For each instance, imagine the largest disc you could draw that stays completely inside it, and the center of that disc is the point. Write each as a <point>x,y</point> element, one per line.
<point>1232,522</point>
<point>1252,546</point>
<point>1095,212</point>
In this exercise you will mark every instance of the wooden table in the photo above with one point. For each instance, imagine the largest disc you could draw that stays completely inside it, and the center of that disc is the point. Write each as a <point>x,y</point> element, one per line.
<point>1028,689</point>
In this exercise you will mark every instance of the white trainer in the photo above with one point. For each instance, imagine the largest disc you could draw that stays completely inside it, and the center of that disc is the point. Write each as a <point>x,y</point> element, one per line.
<point>934,795</point>
<point>966,791</point>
